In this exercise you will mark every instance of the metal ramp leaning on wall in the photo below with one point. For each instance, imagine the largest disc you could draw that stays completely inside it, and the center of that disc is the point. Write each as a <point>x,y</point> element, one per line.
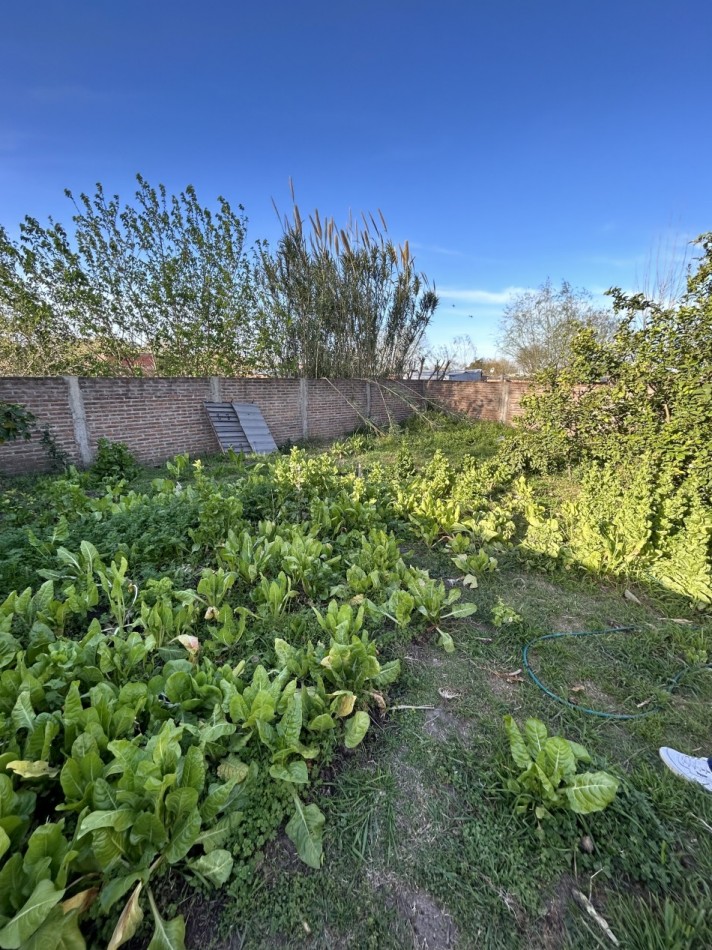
<point>240,426</point>
<point>255,428</point>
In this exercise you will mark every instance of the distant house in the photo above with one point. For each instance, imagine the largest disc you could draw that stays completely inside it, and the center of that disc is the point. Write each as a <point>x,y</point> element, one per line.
<point>466,376</point>
<point>145,363</point>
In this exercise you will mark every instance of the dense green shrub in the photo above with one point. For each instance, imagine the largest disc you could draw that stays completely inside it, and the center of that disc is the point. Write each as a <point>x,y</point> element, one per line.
<point>648,390</point>
<point>113,462</point>
<point>632,418</point>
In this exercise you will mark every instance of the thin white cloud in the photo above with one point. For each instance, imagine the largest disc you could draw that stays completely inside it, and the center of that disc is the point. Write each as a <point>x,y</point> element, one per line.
<point>477,295</point>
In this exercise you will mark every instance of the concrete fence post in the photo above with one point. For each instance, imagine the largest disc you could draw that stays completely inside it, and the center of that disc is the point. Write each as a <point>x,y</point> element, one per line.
<point>504,401</point>
<point>79,419</point>
<point>304,406</point>
<point>368,398</point>
<point>214,382</point>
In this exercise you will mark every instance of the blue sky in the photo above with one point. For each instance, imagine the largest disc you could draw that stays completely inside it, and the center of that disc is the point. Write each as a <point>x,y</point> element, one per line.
<point>509,140</point>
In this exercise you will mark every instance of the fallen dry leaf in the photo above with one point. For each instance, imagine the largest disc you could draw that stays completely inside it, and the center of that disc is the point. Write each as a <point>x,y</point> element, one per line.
<point>513,677</point>
<point>578,689</point>
<point>380,701</point>
<point>448,693</point>
<point>586,844</point>
<point>629,595</point>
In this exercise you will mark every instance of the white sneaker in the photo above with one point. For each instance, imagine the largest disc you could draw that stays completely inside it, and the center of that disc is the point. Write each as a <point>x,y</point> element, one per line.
<point>688,767</point>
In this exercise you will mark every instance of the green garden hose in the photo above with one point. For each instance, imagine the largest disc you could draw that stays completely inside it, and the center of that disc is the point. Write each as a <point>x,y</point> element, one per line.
<point>596,712</point>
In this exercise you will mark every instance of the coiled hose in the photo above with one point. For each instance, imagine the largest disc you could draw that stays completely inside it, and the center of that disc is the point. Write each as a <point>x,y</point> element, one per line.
<point>598,712</point>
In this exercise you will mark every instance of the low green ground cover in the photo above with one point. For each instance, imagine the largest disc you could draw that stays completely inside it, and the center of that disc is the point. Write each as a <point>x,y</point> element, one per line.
<point>263,703</point>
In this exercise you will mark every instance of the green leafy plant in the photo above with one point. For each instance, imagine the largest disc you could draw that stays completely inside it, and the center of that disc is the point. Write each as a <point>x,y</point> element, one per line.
<point>16,422</point>
<point>549,779</point>
<point>473,565</point>
<point>113,462</point>
<point>399,608</point>
<point>431,601</point>
<point>504,616</point>
<point>340,621</point>
<point>273,597</point>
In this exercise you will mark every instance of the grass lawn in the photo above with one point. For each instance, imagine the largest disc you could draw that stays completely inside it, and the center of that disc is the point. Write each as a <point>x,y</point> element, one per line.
<point>422,845</point>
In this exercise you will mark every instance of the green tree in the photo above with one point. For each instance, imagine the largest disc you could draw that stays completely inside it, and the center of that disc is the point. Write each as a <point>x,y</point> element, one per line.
<point>342,301</point>
<point>656,397</point>
<point>538,326</point>
<point>164,274</point>
<point>32,341</point>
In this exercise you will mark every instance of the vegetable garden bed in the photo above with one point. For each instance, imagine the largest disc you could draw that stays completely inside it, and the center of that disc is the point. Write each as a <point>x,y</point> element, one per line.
<point>265,700</point>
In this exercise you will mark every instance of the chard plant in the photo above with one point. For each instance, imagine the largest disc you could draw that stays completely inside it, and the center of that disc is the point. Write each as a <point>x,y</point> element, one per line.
<point>399,608</point>
<point>308,562</point>
<point>247,556</point>
<point>473,565</point>
<point>272,597</point>
<point>432,602</point>
<point>550,780</point>
<point>340,621</point>
<point>160,617</point>
<point>76,574</point>
<point>460,543</point>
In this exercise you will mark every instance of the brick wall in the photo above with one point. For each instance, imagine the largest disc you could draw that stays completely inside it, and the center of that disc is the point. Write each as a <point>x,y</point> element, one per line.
<point>158,418</point>
<point>48,400</point>
<point>495,401</point>
<point>393,401</point>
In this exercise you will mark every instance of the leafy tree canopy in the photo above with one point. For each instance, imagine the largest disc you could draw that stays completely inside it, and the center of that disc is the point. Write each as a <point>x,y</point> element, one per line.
<point>538,326</point>
<point>171,277</point>
<point>647,389</point>
<point>164,274</point>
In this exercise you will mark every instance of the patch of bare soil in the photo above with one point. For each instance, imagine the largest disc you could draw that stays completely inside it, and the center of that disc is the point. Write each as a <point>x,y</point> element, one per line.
<point>202,915</point>
<point>431,927</point>
<point>505,686</point>
<point>567,623</point>
<point>423,653</point>
<point>440,723</point>
<point>552,926</point>
<point>534,581</point>
<point>280,857</point>
<point>592,694</point>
